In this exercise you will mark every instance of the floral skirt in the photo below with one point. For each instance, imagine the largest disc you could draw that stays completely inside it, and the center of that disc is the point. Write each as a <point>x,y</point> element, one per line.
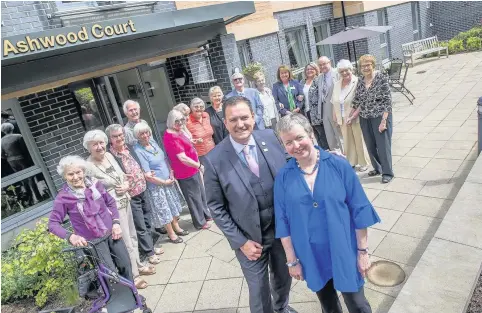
<point>165,202</point>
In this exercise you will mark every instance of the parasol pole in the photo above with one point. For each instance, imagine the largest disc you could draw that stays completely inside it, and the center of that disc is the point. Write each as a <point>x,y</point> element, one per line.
<point>344,22</point>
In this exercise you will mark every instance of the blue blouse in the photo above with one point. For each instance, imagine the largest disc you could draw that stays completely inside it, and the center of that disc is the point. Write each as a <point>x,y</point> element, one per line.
<point>152,160</point>
<point>322,225</point>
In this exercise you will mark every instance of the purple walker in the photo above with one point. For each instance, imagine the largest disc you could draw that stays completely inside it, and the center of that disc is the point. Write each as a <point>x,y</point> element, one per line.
<point>119,294</point>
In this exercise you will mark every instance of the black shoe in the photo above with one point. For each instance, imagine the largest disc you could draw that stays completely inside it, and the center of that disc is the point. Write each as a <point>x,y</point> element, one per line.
<point>373,173</point>
<point>161,230</point>
<point>386,179</point>
<point>288,309</point>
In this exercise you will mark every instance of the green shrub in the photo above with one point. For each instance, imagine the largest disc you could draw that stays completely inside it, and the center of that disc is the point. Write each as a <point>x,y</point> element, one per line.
<point>36,267</point>
<point>252,69</point>
<point>473,43</point>
<point>455,46</point>
<point>474,32</point>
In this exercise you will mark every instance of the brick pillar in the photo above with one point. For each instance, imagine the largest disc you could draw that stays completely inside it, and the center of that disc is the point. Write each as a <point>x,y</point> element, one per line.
<point>224,57</point>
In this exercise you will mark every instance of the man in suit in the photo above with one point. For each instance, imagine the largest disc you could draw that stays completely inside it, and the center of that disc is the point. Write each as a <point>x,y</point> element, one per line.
<point>239,179</point>
<point>326,81</point>
<point>250,93</point>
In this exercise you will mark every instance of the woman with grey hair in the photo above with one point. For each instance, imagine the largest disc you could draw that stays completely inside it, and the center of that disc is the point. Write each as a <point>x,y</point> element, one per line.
<point>270,111</point>
<point>216,114</point>
<point>199,125</point>
<point>185,110</point>
<point>92,212</point>
<point>322,215</point>
<point>186,166</point>
<point>346,119</point>
<point>163,198</point>
<point>105,168</point>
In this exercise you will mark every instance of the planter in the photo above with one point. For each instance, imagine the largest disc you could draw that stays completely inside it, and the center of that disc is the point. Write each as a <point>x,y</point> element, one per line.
<point>61,310</point>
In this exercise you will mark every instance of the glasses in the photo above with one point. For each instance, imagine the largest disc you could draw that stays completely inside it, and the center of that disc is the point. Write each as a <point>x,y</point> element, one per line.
<point>237,79</point>
<point>180,121</point>
<point>324,63</point>
<point>366,65</point>
<point>344,71</point>
<point>198,107</point>
<point>117,136</point>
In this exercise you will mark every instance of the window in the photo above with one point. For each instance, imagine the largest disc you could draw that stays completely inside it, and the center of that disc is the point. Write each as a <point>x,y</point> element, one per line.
<point>382,21</point>
<point>297,48</point>
<point>74,5</point>
<point>244,53</point>
<point>23,182</point>
<point>89,108</point>
<point>322,31</point>
<point>200,65</point>
<point>415,20</point>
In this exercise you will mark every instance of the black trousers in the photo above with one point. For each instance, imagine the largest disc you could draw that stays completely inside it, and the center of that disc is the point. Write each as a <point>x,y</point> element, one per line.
<point>114,255</point>
<point>142,214</point>
<point>268,289</point>
<point>193,191</point>
<point>356,302</point>
<point>379,145</point>
<point>320,136</point>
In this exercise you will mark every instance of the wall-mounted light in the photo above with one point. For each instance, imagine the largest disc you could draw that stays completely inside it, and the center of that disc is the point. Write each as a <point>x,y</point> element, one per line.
<point>181,76</point>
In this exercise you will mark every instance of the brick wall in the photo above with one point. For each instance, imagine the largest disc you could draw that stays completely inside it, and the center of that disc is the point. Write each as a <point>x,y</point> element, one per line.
<point>200,67</point>
<point>55,124</point>
<point>164,6</point>
<point>400,17</point>
<point>452,17</point>
<point>21,17</point>
<point>425,15</point>
<point>361,46</point>
<point>266,50</point>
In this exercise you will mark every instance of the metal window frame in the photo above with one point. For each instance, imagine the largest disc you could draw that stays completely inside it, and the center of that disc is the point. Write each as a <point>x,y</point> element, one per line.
<point>384,45</point>
<point>38,168</point>
<point>306,52</point>
<point>318,24</point>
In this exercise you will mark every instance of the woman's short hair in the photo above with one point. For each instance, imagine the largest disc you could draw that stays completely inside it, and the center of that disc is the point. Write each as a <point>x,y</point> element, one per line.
<point>180,107</point>
<point>124,106</point>
<point>195,101</point>
<point>344,65</point>
<point>111,128</point>
<point>368,58</point>
<point>172,117</point>
<point>214,89</point>
<point>93,135</point>
<point>313,65</point>
<point>141,128</point>
<point>286,123</point>
<point>71,160</point>
<point>284,68</point>
<point>7,128</point>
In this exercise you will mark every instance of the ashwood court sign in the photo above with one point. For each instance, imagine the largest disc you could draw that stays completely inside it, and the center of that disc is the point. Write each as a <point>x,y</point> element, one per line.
<point>30,43</point>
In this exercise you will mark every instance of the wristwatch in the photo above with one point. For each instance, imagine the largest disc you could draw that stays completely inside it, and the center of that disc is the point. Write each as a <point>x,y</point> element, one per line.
<point>293,264</point>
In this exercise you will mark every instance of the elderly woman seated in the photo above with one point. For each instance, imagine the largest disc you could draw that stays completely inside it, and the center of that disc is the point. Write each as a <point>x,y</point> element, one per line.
<point>322,215</point>
<point>163,197</point>
<point>92,212</point>
<point>105,168</point>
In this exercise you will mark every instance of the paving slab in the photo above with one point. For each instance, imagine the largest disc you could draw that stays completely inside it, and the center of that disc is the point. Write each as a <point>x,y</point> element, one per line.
<point>404,185</point>
<point>400,248</point>
<point>393,200</point>
<point>189,270</point>
<point>428,206</point>
<point>179,297</point>
<point>388,219</point>
<point>220,293</point>
<point>415,225</point>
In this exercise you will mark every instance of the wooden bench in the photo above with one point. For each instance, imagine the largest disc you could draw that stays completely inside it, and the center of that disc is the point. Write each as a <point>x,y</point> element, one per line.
<point>421,47</point>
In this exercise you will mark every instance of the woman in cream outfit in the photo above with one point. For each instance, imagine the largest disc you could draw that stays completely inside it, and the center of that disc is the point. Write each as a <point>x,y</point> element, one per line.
<point>343,94</point>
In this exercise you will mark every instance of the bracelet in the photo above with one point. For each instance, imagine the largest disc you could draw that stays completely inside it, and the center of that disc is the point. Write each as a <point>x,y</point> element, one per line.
<point>363,250</point>
<point>293,264</point>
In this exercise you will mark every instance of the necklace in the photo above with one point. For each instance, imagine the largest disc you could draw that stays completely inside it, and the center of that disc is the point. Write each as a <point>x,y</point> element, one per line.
<point>317,164</point>
<point>153,150</point>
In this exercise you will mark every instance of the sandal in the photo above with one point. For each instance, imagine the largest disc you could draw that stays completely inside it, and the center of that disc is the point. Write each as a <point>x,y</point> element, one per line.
<point>140,283</point>
<point>154,259</point>
<point>373,173</point>
<point>182,233</point>
<point>206,226</point>
<point>158,250</point>
<point>147,270</point>
<point>177,240</point>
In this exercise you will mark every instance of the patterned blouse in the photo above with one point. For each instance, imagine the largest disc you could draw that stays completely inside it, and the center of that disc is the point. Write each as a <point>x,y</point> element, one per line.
<point>313,101</point>
<point>374,100</point>
<point>137,181</point>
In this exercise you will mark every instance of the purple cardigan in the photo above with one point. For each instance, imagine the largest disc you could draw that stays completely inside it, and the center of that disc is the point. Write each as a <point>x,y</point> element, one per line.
<point>66,204</point>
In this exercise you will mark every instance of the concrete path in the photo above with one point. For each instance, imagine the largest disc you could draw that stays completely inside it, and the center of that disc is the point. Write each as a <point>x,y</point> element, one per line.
<point>434,146</point>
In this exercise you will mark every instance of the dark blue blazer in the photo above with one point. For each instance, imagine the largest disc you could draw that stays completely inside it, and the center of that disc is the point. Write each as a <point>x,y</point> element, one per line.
<point>230,197</point>
<point>280,95</point>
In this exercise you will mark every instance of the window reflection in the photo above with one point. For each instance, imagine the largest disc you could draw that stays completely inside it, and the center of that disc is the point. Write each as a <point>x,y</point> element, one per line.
<point>89,108</point>
<point>24,194</point>
<point>15,154</point>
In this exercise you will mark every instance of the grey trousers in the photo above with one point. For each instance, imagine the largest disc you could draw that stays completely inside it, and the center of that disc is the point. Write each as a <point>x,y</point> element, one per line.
<point>356,302</point>
<point>114,255</point>
<point>193,191</point>
<point>261,287</point>
<point>379,145</point>
<point>142,215</point>
<point>320,135</point>
<point>332,132</point>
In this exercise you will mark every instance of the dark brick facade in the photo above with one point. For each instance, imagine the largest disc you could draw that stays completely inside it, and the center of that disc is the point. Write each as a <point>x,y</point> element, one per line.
<point>400,17</point>
<point>266,50</point>
<point>452,17</point>
<point>55,123</point>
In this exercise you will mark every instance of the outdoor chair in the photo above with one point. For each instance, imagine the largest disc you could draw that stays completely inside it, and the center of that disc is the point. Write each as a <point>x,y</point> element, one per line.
<point>395,79</point>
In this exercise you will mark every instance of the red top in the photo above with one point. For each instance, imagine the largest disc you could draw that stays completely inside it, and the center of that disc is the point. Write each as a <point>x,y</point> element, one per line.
<point>175,144</point>
<point>201,129</point>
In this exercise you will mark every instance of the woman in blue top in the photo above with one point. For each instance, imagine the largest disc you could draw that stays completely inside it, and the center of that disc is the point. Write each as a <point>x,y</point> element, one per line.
<point>287,92</point>
<point>322,215</point>
<point>163,198</point>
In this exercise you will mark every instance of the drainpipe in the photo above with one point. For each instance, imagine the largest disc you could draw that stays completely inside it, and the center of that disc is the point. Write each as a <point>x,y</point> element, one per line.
<point>344,23</point>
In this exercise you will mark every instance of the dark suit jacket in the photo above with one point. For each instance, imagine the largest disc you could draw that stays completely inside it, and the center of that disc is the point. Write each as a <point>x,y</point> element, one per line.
<point>229,195</point>
<point>280,95</point>
<point>220,131</point>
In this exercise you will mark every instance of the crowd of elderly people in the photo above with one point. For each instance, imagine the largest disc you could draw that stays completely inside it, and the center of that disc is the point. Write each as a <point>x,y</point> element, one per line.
<point>134,188</point>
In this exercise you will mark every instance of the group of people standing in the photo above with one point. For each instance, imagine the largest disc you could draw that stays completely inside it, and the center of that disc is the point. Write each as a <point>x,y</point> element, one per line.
<point>305,218</point>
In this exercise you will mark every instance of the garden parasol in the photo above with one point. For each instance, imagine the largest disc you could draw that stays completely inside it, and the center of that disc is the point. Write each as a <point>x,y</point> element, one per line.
<point>354,33</point>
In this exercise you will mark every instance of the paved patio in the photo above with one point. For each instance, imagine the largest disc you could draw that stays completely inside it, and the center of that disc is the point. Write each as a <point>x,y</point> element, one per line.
<point>434,147</point>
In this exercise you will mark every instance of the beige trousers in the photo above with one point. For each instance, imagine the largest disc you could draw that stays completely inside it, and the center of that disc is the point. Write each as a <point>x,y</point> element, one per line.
<point>130,238</point>
<point>355,149</point>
